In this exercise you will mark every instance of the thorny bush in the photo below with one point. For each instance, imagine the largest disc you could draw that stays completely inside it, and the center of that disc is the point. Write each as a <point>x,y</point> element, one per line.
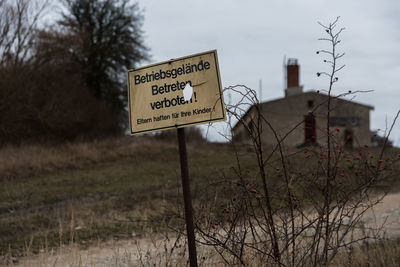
<point>292,206</point>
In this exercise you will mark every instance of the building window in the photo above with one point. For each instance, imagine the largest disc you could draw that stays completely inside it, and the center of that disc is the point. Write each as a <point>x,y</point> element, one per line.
<point>310,103</point>
<point>341,121</point>
<point>354,121</point>
<point>337,121</point>
<point>309,129</point>
<point>251,127</point>
<point>348,138</point>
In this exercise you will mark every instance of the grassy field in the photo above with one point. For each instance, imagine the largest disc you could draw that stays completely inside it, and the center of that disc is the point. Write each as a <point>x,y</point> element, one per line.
<point>88,191</point>
<point>115,188</point>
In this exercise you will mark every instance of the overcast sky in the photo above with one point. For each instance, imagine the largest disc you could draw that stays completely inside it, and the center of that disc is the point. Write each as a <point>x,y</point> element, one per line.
<point>252,38</point>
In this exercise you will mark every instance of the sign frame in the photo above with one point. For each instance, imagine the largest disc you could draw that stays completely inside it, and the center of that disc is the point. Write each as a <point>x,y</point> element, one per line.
<point>220,100</point>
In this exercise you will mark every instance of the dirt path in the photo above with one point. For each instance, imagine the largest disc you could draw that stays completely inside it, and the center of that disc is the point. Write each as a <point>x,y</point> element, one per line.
<point>388,213</point>
<point>131,252</point>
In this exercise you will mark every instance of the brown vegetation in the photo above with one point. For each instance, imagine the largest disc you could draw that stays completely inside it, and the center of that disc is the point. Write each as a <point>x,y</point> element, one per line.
<point>67,81</point>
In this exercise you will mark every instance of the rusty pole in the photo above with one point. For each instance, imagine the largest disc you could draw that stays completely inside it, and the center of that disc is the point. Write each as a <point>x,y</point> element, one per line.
<point>187,198</point>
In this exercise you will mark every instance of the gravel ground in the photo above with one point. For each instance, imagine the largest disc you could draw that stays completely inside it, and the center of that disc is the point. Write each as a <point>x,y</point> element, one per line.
<point>151,252</point>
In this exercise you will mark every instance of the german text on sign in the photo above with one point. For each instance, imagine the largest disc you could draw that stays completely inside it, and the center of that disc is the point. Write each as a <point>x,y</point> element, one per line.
<point>175,93</point>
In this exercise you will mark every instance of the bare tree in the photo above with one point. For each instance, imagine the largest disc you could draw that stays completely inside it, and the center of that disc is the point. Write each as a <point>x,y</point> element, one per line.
<point>67,80</point>
<point>109,40</point>
<point>18,21</point>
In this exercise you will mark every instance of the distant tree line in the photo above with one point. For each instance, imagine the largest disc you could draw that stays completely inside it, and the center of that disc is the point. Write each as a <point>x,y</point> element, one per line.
<point>67,80</point>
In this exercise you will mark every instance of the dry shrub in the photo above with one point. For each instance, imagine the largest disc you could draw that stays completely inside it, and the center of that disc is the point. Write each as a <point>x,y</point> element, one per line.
<point>286,214</point>
<point>382,253</point>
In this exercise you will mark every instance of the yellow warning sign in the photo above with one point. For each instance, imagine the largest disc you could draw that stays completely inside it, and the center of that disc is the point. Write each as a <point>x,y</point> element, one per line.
<point>176,93</point>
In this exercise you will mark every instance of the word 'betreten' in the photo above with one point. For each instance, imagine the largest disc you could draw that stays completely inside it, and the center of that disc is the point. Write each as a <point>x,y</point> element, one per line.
<point>166,88</point>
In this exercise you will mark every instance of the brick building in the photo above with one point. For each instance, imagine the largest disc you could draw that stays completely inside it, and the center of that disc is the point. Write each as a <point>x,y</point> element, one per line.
<point>349,120</point>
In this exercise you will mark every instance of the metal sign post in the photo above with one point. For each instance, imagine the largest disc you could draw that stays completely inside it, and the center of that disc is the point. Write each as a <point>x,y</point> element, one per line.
<point>157,101</point>
<point>187,198</point>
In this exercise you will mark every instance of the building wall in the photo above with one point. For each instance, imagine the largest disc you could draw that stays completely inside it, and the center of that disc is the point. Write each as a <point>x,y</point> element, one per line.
<point>287,113</point>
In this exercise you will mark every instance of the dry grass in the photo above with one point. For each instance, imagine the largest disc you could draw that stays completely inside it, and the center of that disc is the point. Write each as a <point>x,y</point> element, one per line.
<point>382,254</point>
<point>78,194</point>
<point>167,249</point>
<point>104,189</point>
<point>22,161</point>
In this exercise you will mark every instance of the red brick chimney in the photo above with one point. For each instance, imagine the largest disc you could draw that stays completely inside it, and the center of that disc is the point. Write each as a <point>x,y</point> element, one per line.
<point>292,69</point>
<point>292,78</point>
